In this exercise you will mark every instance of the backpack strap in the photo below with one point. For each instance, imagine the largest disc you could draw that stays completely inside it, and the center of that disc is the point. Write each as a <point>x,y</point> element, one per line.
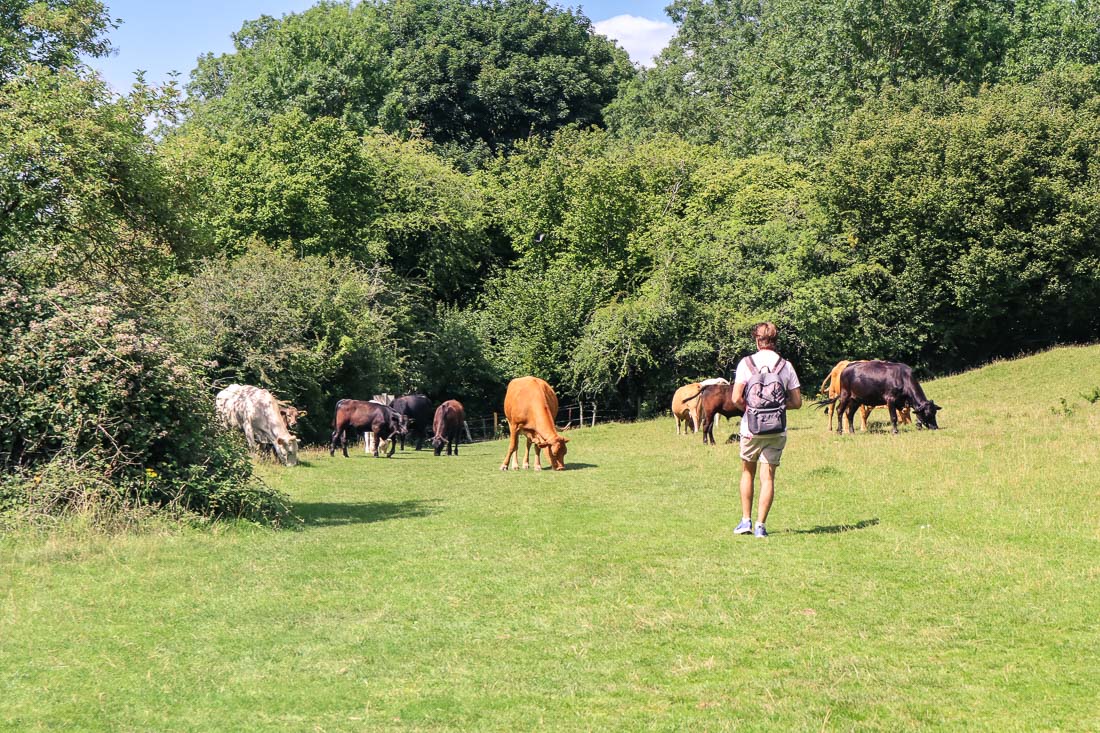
<point>752,365</point>
<point>778,366</point>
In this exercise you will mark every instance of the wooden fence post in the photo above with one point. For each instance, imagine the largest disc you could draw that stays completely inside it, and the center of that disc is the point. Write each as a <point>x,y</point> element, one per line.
<point>469,438</point>
<point>593,414</point>
<point>580,407</point>
<point>496,425</point>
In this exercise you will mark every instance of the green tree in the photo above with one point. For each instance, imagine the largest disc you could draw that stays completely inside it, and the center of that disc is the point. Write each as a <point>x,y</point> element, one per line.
<point>470,76</point>
<point>50,33</point>
<point>780,75</point>
<point>974,231</point>
<point>323,188</point>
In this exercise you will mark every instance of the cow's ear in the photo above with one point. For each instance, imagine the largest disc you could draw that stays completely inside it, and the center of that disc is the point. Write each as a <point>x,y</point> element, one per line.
<point>936,407</point>
<point>563,439</point>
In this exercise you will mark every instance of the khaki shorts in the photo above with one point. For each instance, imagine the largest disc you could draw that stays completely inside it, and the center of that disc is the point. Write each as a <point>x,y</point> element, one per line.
<point>763,448</point>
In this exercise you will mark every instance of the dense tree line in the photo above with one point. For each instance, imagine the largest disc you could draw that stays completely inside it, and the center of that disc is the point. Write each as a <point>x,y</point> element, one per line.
<point>441,195</point>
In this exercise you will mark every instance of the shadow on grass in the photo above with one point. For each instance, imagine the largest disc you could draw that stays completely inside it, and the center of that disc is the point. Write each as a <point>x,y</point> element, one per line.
<point>578,466</point>
<point>326,514</point>
<point>836,528</point>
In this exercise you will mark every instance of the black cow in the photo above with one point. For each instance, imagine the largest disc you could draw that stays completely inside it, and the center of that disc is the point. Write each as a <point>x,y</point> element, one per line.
<point>449,418</point>
<point>877,383</point>
<point>418,409</point>
<point>366,417</point>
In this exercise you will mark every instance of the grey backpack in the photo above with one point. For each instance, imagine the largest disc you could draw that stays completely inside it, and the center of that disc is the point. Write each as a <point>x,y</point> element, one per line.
<point>765,400</point>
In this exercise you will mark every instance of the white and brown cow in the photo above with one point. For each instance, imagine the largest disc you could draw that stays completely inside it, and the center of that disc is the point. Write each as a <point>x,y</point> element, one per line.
<point>256,413</point>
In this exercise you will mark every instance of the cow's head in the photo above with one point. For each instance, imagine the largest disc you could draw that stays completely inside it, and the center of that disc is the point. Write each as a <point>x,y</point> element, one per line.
<point>291,414</point>
<point>287,450</point>
<point>926,415</point>
<point>437,444</point>
<point>556,449</point>
<point>399,424</point>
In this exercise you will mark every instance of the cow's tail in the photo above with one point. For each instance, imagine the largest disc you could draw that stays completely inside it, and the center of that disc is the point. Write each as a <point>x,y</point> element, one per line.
<point>824,403</point>
<point>689,399</point>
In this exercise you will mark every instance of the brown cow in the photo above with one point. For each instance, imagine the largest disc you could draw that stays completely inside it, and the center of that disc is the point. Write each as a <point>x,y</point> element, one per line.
<point>447,426</point>
<point>831,388</point>
<point>685,412</point>
<point>714,400</point>
<point>530,407</point>
<point>366,417</point>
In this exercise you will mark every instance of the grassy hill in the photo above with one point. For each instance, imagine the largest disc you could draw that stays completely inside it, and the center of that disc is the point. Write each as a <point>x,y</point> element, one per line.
<point>930,580</point>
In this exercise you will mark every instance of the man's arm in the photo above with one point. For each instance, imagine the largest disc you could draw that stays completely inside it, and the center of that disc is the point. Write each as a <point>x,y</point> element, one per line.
<point>739,396</point>
<point>794,398</point>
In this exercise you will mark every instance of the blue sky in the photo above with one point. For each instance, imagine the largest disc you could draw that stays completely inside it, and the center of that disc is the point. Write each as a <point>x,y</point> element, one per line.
<point>161,36</point>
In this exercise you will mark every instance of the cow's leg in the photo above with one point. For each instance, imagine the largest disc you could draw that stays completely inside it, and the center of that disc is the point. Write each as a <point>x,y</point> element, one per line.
<point>851,415</point>
<point>513,440</point>
<point>393,447</point>
<point>538,457</point>
<point>864,413</point>
<point>527,456</point>
<point>377,441</point>
<point>678,421</point>
<point>893,416</point>
<point>332,443</point>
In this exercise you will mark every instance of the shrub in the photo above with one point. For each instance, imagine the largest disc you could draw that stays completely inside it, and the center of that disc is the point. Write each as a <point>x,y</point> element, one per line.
<point>94,404</point>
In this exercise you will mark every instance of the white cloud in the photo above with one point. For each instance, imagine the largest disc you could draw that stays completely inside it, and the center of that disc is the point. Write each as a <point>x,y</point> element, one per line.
<point>642,38</point>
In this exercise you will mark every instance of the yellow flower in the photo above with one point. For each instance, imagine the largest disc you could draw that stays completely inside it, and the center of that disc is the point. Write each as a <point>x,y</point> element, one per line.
<point>150,473</point>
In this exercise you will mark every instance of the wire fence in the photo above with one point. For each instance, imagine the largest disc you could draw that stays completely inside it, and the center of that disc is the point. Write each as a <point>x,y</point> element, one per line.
<point>573,416</point>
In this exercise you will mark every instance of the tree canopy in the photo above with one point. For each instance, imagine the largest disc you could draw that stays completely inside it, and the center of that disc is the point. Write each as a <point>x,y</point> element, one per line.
<point>779,75</point>
<point>469,76</point>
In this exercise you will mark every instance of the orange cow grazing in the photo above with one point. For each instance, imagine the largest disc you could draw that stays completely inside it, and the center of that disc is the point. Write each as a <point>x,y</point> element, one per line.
<point>530,407</point>
<point>686,412</point>
<point>831,387</point>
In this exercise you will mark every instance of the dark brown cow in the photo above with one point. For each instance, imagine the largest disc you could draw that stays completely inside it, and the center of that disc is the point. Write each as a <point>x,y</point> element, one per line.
<point>366,417</point>
<point>447,426</point>
<point>715,399</point>
<point>877,383</point>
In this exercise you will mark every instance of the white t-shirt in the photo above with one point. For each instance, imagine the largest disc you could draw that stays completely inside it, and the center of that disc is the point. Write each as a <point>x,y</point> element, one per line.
<point>766,358</point>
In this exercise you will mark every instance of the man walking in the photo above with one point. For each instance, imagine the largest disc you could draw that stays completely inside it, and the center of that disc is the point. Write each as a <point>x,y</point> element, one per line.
<point>765,387</point>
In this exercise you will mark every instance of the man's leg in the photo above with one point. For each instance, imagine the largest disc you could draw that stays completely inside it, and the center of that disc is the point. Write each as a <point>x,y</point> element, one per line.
<point>748,476</point>
<point>767,491</point>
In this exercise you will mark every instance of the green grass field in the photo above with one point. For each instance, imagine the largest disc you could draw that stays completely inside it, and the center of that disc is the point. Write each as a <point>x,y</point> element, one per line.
<point>932,580</point>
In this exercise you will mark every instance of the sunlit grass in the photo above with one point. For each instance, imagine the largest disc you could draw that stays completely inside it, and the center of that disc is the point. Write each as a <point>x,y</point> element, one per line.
<point>944,580</point>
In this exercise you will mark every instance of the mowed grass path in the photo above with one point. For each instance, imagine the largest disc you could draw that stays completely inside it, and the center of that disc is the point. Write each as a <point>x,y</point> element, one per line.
<point>946,580</point>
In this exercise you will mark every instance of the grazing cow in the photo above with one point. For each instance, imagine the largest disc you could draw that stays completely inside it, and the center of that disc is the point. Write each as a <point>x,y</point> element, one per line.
<point>290,415</point>
<point>418,409</point>
<point>447,426</point>
<point>255,412</point>
<point>530,407</point>
<point>831,388</point>
<point>715,399</point>
<point>686,412</point>
<point>365,417</point>
<point>877,383</point>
